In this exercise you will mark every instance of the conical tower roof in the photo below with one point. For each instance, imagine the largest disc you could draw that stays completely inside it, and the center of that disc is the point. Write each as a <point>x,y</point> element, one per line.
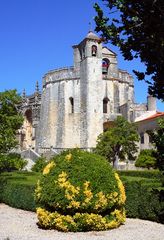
<point>92,35</point>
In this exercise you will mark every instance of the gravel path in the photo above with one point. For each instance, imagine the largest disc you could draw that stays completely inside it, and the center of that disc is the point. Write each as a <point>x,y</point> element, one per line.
<point>16,224</point>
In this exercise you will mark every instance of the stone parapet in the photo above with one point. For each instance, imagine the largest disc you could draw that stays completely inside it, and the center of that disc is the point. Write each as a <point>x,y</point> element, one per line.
<point>61,74</point>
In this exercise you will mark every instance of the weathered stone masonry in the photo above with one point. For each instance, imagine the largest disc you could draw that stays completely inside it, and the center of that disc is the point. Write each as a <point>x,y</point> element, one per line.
<point>77,103</point>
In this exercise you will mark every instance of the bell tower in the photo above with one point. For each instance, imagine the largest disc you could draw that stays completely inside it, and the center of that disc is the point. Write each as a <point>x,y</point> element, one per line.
<point>88,59</point>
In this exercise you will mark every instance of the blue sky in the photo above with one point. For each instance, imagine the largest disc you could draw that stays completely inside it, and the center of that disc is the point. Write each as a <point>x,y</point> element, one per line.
<point>37,36</point>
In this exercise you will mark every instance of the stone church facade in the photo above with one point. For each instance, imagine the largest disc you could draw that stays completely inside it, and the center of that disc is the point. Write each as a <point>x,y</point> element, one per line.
<point>78,103</point>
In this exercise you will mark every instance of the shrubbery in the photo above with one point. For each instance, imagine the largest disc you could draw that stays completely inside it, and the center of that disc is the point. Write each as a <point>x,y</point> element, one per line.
<point>145,196</point>
<point>79,191</point>
<point>39,165</point>
<point>146,159</point>
<point>151,174</point>
<point>11,162</point>
<point>145,200</point>
<point>17,189</point>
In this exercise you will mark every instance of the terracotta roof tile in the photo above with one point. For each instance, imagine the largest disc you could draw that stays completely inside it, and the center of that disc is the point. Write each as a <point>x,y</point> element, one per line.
<point>156,115</point>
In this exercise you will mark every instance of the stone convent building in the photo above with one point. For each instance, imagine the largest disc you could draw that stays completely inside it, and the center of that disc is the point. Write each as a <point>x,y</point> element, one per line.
<point>78,103</point>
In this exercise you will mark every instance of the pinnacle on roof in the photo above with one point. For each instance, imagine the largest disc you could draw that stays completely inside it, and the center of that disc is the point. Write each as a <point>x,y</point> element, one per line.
<point>37,87</point>
<point>24,94</point>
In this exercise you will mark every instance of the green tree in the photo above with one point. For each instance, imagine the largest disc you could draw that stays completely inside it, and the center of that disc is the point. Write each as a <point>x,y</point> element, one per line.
<point>10,120</point>
<point>119,141</point>
<point>157,138</point>
<point>146,159</point>
<point>136,27</point>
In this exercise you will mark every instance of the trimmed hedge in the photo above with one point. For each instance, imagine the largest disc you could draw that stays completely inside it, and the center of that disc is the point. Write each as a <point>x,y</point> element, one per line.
<point>145,196</point>
<point>17,189</point>
<point>144,200</point>
<point>153,174</point>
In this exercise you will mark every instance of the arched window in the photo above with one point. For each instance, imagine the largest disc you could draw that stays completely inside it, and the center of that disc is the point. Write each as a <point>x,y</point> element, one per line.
<point>105,105</point>
<point>28,116</point>
<point>71,104</point>
<point>94,50</point>
<point>105,65</point>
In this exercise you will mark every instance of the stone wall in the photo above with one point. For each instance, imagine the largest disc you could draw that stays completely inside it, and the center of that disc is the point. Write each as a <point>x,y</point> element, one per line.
<point>71,109</point>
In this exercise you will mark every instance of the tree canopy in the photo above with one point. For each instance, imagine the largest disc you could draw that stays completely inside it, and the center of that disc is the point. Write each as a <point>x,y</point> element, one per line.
<point>157,138</point>
<point>146,159</point>
<point>10,120</point>
<point>119,141</point>
<point>137,28</point>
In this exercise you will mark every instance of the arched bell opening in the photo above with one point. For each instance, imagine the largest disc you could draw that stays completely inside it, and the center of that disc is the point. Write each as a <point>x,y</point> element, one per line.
<point>105,65</point>
<point>94,50</point>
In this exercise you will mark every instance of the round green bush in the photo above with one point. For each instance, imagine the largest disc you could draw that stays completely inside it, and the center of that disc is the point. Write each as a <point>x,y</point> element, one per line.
<point>79,191</point>
<point>11,162</point>
<point>146,159</point>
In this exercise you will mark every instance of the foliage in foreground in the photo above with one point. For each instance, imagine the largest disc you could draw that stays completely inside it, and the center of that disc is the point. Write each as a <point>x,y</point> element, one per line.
<point>158,139</point>
<point>146,159</point>
<point>39,165</point>
<point>79,191</point>
<point>137,29</point>
<point>118,141</point>
<point>17,189</point>
<point>10,120</point>
<point>145,196</point>
<point>11,162</point>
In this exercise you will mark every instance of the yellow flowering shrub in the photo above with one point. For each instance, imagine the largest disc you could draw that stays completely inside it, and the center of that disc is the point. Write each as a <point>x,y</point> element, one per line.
<point>87,193</point>
<point>70,190</point>
<point>48,167</point>
<point>122,197</point>
<point>38,190</point>
<point>102,201</point>
<point>92,221</point>
<point>79,191</point>
<point>68,157</point>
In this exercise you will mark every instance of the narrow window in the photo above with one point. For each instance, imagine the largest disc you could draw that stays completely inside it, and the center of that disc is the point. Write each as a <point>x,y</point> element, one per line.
<point>94,50</point>
<point>105,66</point>
<point>105,105</point>
<point>83,52</point>
<point>71,104</point>
<point>81,55</point>
<point>142,138</point>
